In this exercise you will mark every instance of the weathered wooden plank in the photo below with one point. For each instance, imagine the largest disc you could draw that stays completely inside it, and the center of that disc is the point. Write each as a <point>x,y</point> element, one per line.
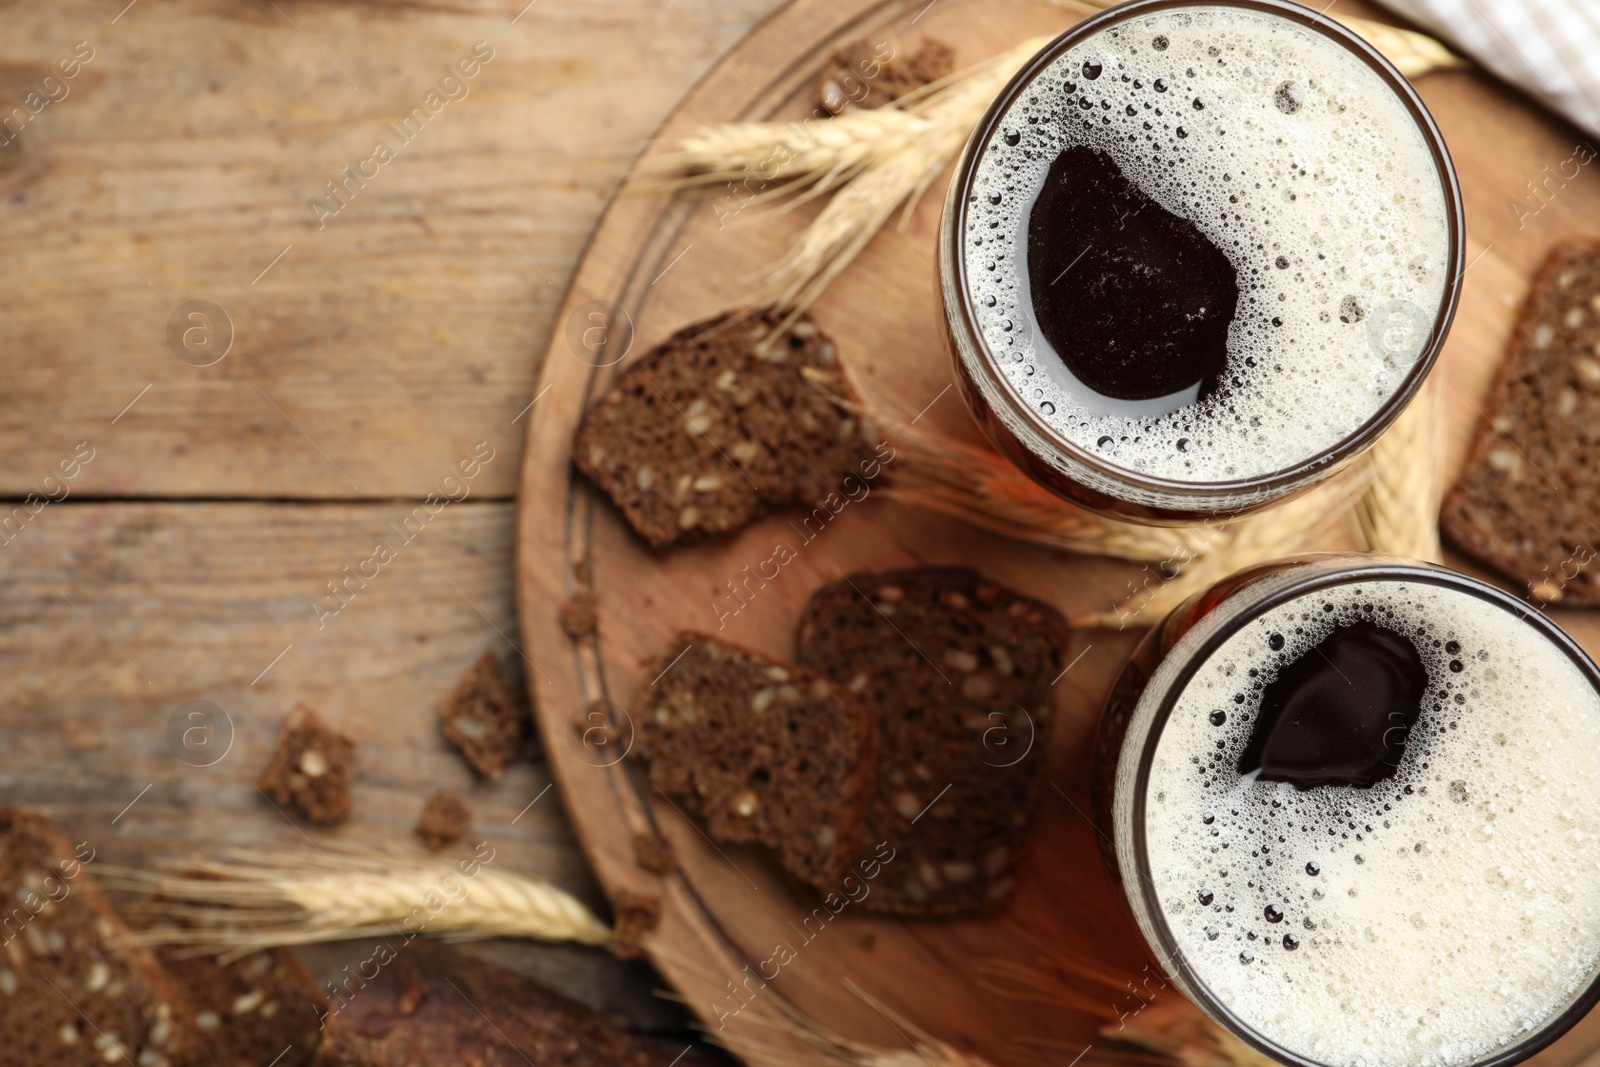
<point>402,321</point>
<point>143,607</point>
<point>117,615</point>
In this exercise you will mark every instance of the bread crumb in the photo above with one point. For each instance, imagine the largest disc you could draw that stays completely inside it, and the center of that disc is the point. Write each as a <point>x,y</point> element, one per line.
<point>637,914</point>
<point>580,615</point>
<point>651,851</point>
<point>871,73</point>
<point>311,769</point>
<point>445,820</point>
<point>485,718</point>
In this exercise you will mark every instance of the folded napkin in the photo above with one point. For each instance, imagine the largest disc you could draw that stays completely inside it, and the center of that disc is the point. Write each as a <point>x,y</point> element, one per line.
<point>1550,48</point>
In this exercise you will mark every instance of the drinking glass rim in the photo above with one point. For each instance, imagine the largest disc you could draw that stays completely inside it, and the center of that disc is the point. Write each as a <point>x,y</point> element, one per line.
<point>1313,580</point>
<point>1288,478</point>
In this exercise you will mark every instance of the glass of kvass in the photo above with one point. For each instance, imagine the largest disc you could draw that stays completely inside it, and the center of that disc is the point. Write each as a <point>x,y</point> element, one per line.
<point>1353,804</point>
<point>1197,256</point>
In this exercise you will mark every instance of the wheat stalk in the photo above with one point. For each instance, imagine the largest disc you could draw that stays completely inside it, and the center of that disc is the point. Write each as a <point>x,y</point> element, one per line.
<point>976,484</point>
<point>839,1052</point>
<point>1145,1012</point>
<point>1399,512</point>
<point>1394,491</point>
<point>1413,54</point>
<point>257,897</point>
<point>1176,1031</point>
<point>815,156</point>
<point>894,179</point>
<point>831,1049</point>
<point>1273,533</point>
<point>875,161</point>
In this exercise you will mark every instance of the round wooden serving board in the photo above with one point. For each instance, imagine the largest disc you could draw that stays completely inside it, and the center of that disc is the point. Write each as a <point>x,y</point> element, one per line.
<point>660,261</point>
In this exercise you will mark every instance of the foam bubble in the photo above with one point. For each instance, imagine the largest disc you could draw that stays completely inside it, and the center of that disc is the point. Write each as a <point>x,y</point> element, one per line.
<point>1296,160</point>
<point>1436,916</point>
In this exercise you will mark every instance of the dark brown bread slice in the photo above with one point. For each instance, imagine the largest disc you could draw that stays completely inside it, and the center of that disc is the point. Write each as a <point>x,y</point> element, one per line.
<point>259,1009</point>
<point>430,1006</point>
<point>485,719</point>
<point>72,990</point>
<point>716,427</point>
<point>871,73</point>
<point>1526,501</point>
<point>445,819</point>
<point>262,1008</point>
<point>958,670</point>
<point>311,769</point>
<point>764,752</point>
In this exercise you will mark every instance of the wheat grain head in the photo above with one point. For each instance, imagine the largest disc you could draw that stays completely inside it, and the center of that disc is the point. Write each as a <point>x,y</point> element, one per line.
<point>255,897</point>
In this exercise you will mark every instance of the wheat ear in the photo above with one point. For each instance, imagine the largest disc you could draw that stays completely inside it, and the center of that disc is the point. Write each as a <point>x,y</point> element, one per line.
<point>257,897</point>
<point>770,160</point>
<point>1399,512</point>
<point>1153,1018</point>
<point>1413,54</point>
<point>976,484</point>
<point>1177,1032</point>
<point>1280,530</point>
<point>877,161</point>
<point>830,1049</point>
<point>894,180</point>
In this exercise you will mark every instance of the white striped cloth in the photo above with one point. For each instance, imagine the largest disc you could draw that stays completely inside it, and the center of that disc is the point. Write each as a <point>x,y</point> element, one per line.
<point>1551,48</point>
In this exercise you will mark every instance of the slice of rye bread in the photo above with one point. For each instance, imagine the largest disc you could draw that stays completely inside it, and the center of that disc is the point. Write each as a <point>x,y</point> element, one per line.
<point>871,73</point>
<point>311,769</point>
<point>73,990</point>
<point>764,752</point>
<point>716,427</point>
<point>429,1006</point>
<point>947,660</point>
<point>485,719</point>
<point>1525,503</point>
<point>259,1009</point>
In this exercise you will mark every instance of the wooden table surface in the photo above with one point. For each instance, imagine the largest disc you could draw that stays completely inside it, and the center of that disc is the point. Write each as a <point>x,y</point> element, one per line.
<point>376,340</point>
<point>377,315</point>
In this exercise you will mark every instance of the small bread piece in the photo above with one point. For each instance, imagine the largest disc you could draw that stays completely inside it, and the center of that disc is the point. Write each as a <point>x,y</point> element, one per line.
<point>445,819</point>
<point>311,769</point>
<point>634,915</point>
<point>1526,501</point>
<point>73,990</point>
<point>580,615</point>
<point>718,426</point>
<point>651,851</point>
<point>430,1006</point>
<point>871,73</point>
<point>958,670</point>
<point>764,752</point>
<point>485,719</point>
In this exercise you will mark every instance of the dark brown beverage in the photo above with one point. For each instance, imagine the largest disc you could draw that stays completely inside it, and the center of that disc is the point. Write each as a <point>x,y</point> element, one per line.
<point>1197,256</point>
<point>1340,713</point>
<point>1349,800</point>
<point>1139,300</point>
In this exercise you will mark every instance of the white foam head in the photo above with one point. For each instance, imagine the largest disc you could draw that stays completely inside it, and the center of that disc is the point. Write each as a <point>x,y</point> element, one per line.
<point>1455,907</point>
<point>1303,166</point>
